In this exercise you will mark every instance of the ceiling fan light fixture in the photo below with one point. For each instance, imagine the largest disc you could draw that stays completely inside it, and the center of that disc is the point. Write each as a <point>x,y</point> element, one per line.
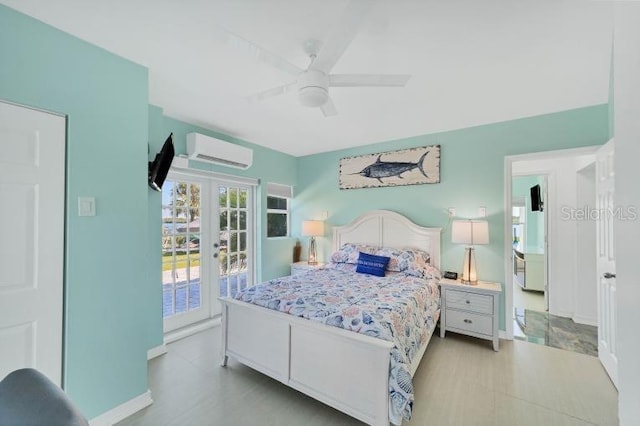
<point>313,96</point>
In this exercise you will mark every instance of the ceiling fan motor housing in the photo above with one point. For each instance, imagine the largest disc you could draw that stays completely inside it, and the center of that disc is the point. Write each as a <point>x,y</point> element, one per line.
<point>313,88</point>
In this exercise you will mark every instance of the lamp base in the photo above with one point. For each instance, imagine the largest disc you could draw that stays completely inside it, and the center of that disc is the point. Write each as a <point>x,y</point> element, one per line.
<point>312,252</point>
<point>469,273</point>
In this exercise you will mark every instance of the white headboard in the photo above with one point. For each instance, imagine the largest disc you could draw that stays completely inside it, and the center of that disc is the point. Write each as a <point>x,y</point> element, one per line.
<point>385,228</point>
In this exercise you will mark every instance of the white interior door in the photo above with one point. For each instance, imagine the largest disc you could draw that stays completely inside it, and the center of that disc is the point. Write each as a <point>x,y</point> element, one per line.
<point>32,177</point>
<point>606,264</point>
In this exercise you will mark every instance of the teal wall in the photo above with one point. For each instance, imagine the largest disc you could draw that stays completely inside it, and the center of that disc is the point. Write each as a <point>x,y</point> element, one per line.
<point>471,175</point>
<point>105,99</point>
<point>534,221</point>
<point>154,260</point>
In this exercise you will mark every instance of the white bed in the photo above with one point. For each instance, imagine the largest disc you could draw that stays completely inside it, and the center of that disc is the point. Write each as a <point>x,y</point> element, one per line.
<point>299,352</point>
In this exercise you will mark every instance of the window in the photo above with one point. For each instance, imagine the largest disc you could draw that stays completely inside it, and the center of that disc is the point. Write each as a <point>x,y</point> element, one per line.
<point>278,198</point>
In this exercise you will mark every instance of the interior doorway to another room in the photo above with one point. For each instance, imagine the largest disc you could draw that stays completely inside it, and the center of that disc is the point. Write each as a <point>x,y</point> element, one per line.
<point>529,249</point>
<point>551,292</point>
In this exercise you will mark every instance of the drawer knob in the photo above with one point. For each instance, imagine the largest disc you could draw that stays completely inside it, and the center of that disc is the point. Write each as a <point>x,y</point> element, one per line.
<point>468,302</point>
<point>468,321</point>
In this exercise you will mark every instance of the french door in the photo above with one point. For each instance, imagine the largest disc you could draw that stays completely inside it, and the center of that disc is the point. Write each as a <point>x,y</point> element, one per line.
<point>207,245</point>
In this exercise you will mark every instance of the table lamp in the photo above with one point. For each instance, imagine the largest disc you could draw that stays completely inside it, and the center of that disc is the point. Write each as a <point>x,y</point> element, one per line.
<point>313,229</point>
<point>470,232</point>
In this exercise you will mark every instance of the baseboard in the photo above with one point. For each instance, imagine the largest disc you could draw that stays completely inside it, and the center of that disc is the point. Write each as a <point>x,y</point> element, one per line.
<point>181,333</point>
<point>123,411</point>
<point>156,352</point>
<point>503,335</point>
<point>562,314</point>
<point>585,320</point>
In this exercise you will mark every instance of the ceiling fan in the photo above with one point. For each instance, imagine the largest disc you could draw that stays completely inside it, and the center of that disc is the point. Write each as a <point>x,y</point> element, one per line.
<point>313,82</point>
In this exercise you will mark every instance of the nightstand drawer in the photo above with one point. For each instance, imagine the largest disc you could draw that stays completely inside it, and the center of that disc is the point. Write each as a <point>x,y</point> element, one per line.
<point>470,322</point>
<point>473,302</point>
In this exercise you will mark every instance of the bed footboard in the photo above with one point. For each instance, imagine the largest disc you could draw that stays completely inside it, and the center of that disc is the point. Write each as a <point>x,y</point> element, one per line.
<point>343,369</point>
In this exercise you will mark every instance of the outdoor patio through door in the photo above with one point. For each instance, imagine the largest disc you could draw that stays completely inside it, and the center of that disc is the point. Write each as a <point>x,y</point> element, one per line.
<point>207,245</point>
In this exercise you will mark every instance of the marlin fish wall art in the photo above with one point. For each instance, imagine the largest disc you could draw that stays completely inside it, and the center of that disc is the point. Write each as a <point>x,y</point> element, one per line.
<point>414,166</point>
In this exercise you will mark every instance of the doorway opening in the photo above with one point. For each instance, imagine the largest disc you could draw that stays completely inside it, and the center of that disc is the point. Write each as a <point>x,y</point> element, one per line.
<point>529,258</point>
<point>548,297</point>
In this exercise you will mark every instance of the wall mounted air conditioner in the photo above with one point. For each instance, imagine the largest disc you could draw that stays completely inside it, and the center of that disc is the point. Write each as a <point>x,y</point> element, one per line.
<point>215,151</point>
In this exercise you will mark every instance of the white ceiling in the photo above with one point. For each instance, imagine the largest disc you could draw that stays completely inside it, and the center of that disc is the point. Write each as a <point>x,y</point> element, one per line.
<point>472,62</point>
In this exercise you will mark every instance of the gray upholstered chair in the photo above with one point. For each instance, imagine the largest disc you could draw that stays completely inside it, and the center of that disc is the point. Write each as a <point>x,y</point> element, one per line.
<point>28,397</point>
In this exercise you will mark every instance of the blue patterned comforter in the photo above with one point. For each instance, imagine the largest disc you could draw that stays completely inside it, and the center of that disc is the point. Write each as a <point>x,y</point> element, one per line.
<point>399,308</point>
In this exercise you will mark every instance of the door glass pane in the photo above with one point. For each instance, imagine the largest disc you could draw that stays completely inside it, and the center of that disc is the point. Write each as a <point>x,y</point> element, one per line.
<point>233,240</point>
<point>243,241</point>
<point>233,219</point>
<point>222,196</point>
<point>233,197</point>
<point>243,261</point>
<point>224,221</point>
<point>181,210</point>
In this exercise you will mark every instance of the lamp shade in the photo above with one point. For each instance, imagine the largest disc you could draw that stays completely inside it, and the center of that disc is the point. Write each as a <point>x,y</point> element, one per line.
<point>313,228</point>
<point>472,232</point>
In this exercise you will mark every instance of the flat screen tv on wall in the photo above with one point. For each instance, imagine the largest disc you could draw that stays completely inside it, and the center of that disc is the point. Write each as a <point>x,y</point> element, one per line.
<point>536,199</point>
<point>159,167</point>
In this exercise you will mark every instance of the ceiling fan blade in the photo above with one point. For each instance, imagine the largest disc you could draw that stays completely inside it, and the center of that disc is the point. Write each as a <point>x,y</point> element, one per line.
<point>342,35</point>
<point>329,109</point>
<point>368,80</point>
<point>240,44</point>
<point>269,93</point>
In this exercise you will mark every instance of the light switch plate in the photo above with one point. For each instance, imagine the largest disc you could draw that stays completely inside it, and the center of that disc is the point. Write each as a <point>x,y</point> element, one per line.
<point>482,211</point>
<point>86,206</point>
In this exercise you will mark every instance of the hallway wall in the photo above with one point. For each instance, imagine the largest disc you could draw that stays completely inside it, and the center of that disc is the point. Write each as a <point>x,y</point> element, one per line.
<point>586,306</point>
<point>560,207</point>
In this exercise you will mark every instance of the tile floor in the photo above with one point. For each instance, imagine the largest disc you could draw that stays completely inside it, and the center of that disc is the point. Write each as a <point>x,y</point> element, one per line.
<point>558,332</point>
<point>460,381</point>
<point>533,324</point>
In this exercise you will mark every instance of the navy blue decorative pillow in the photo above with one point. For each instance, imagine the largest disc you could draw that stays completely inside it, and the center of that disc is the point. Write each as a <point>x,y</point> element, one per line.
<point>372,264</point>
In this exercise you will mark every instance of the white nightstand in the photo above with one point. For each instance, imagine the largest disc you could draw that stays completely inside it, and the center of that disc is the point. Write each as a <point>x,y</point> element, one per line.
<point>470,309</point>
<point>303,266</point>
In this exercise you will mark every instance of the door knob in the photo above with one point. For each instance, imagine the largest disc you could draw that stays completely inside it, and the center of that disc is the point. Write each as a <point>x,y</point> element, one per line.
<point>608,275</point>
